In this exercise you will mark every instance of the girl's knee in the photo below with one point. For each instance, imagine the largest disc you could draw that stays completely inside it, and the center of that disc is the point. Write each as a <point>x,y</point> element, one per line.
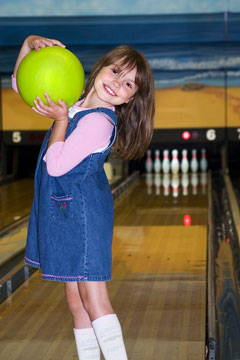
<point>95,298</point>
<point>85,296</point>
<point>73,297</point>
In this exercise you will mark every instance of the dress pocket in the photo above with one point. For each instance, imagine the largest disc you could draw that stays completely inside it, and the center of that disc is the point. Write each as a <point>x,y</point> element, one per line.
<point>61,207</point>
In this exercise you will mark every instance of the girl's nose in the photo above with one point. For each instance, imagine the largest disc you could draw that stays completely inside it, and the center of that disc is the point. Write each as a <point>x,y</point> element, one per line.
<point>116,84</point>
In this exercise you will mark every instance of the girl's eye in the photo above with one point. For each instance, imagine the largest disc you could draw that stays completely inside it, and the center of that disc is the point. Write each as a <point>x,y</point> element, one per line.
<point>129,85</point>
<point>114,71</point>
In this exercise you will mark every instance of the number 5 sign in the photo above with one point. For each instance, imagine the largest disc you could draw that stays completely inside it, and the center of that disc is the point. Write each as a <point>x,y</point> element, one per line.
<point>16,137</point>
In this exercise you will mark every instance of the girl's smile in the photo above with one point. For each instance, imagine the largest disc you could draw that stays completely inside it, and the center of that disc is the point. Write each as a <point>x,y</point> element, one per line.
<point>109,90</point>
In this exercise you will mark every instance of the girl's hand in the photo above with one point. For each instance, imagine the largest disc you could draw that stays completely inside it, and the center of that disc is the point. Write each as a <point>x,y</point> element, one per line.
<point>34,42</point>
<point>52,110</point>
<point>38,42</point>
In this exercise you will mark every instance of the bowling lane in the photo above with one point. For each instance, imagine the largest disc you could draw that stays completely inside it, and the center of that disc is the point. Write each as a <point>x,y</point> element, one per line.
<point>165,263</point>
<point>159,287</point>
<point>15,201</point>
<point>165,200</point>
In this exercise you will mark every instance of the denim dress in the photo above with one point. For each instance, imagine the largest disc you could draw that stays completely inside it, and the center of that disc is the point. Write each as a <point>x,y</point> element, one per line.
<point>71,221</point>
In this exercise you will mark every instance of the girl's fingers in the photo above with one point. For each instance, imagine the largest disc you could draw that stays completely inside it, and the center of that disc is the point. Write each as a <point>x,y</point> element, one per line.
<point>51,110</point>
<point>40,103</point>
<point>49,100</point>
<point>63,104</point>
<point>40,106</point>
<point>50,104</point>
<point>52,42</point>
<point>56,42</point>
<point>43,42</point>
<point>40,45</point>
<point>43,113</point>
<point>36,47</point>
<point>46,42</point>
<point>37,111</point>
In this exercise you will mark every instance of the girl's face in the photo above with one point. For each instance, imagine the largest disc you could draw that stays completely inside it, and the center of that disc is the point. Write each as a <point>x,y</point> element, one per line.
<point>115,85</point>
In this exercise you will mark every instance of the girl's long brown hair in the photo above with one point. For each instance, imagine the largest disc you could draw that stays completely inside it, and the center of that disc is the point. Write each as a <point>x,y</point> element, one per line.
<point>135,118</point>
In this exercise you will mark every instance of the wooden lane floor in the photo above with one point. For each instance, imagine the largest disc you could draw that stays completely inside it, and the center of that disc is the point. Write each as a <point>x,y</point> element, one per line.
<point>15,204</point>
<point>15,201</point>
<point>158,288</point>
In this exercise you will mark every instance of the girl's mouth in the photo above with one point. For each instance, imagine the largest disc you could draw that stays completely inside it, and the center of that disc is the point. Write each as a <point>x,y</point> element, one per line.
<point>109,90</point>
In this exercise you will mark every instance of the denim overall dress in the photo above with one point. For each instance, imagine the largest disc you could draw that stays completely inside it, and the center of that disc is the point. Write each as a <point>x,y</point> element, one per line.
<point>71,222</point>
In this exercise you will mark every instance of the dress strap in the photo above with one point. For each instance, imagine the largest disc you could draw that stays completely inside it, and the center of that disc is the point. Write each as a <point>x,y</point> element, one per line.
<point>110,114</point>
<point>113,118</point>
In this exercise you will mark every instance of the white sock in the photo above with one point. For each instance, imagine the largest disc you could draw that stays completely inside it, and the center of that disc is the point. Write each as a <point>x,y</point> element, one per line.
<point>109,334</point>
<point>87,345</point>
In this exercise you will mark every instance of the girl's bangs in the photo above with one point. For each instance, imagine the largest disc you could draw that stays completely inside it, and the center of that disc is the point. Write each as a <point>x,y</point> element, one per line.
<point>128,59</point>
<point>127,64</point>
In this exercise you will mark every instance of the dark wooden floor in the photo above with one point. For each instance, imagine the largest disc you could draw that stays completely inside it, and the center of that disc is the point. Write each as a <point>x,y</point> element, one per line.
<point>15,201</point>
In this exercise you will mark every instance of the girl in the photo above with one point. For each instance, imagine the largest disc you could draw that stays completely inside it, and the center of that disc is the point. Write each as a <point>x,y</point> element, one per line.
<point>71,222</point>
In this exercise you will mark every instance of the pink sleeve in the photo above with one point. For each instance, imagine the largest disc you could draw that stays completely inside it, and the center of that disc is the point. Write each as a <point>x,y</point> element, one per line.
<point>93,132</point>
<point>14,84</point>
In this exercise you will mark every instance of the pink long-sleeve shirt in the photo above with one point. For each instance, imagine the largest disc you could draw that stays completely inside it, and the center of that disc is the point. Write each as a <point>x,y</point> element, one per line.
<point>91,135</point>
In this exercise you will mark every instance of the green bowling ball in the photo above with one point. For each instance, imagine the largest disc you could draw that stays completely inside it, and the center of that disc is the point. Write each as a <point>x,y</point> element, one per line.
<point>52,70</point>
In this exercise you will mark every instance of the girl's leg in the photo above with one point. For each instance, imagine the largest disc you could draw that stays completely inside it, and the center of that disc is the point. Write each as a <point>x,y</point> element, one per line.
<point>95,299</point>
<point>80,316</point>
<point>87,345</point>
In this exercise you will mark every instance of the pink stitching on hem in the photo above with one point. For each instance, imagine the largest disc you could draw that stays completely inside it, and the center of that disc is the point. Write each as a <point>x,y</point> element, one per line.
<point>65,277</point>
<point>34,262</point>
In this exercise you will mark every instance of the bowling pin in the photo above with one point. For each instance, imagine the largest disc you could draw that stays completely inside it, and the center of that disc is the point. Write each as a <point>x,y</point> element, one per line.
<point>166,183</point>
<point>175,184</point>
<point>203,161</point>
<point>157,162</point>
<point>194,183</point>
<point>203,181</point>
<point>149,183</point>
<point>148,163</point>
<point>185,183</point>
<point>157,183</point>
<point>166,162</point>
<point>184,162</point>
<point>174,162</point>
<point>194,161</point>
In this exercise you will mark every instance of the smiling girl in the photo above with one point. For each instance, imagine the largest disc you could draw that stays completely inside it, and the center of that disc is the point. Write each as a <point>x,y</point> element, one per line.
<point>71,222</point>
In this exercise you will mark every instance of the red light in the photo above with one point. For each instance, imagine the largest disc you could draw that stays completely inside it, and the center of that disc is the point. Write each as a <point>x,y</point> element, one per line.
<point>187,220</point>
<point>186,135</point>
<point>40,137</point>
<point>228,240</point>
